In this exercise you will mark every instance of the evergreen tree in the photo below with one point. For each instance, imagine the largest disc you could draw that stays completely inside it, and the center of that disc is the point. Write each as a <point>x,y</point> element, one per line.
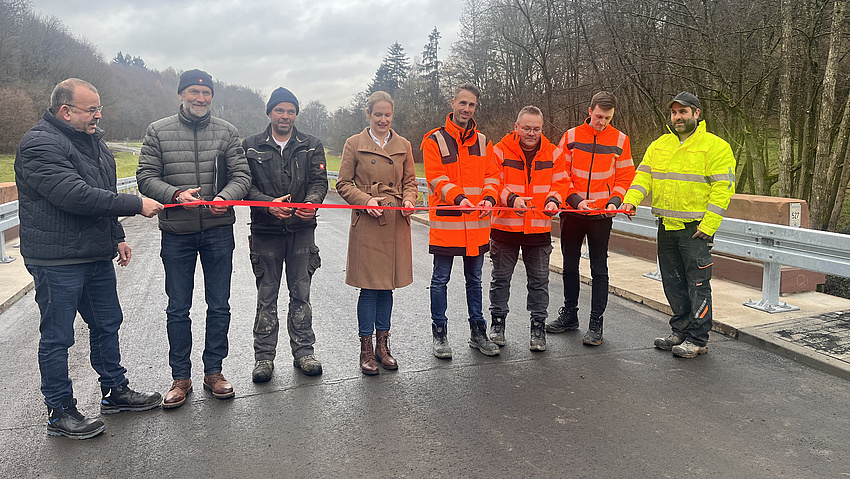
<point>392,71</point>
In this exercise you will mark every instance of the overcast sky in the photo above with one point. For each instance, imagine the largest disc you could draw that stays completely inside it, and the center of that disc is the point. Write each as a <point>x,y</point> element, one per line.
<point>324,50</point>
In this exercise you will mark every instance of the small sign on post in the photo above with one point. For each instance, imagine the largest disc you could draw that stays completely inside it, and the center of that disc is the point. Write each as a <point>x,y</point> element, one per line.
<point>796,211</point>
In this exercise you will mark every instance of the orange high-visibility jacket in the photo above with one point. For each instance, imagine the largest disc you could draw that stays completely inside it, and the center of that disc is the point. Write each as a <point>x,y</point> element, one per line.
<point>459,164</point>
<point>599,164</point>
<point>549,182</point>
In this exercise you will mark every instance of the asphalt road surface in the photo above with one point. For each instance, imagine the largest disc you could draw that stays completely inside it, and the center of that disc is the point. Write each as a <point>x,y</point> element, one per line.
<point>623,409</point>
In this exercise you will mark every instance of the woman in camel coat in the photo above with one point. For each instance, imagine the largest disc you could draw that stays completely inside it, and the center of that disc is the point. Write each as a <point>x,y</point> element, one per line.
<point>377,169</point>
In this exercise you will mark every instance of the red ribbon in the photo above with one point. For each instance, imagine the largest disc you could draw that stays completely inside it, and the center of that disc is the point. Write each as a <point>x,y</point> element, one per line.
<point>278,204</point>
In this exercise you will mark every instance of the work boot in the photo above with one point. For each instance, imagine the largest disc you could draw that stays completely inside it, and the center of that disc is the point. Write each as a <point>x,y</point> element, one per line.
<point>218,386</point>
<point>441,346</point>
<point>122,398</point>
<point>367,356</point>
<point>538,336</point>
<point>567,321</point>
<point>308,365</point>
<point>382,350</point>
<point>497,330</point>
<point>688,350</point>
<point>263,370</point>
<point>67,421</point>
<point>668,342</point>
<point>176,396</point>
<point>478,339</point>
<point>593,337</point>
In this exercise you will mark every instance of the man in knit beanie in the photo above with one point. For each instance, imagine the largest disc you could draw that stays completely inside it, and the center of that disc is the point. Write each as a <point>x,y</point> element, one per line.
<point>286,166</point>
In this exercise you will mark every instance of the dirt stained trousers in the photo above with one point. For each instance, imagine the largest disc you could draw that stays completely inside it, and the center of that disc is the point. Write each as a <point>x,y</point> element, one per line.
<point>685,264</point>
<point>299,254</point>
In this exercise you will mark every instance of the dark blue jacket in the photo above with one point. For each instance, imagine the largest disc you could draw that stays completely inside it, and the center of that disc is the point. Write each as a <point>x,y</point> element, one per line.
<point>68,203</point>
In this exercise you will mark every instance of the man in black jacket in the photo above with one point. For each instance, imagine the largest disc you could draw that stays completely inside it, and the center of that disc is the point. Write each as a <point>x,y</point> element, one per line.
<point>286,166</point>
<point>70,232</point>
<point>186,157</point>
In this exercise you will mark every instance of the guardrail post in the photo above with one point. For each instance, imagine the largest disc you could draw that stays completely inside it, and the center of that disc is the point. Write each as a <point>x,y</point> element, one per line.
<point>4,258</point>
<point>770,291</point>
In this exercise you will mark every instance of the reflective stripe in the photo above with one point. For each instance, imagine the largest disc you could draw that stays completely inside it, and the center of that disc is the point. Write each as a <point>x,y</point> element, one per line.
<point>491,181</point>
<point>556,153</point>
<point>621,140</point>
<point>597,175</point>
<point>518,189</point>
<point>506,192</point>
<point>716,209</point>
<point>446,187</point>
<point>683,215</point>
<point>498,220</point>
<point>499,153</point>
<point>644,168</point>
<point>558,176</point>
<point>541,189</point>
<point>460,225</point>
<point>732,181</point>
<point>538,223</point>
<point>597,195</point>
<point>441,142</point>
<point>471,190</point>
<point>721,177</point>
<point>435,181</point>
<point>624,163</point>
<point>620,189</point>
<point>639,188</point>
<point>689,177</point>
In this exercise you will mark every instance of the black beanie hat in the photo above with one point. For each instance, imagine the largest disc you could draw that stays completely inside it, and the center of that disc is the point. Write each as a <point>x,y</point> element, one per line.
<point>195,77</point>
<point>281,95</point>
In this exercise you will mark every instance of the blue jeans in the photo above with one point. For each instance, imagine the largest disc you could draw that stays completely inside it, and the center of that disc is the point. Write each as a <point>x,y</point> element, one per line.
<point>374,308</point>
<point>536,259</point>
<point>179,256</point>
<point>439,286</point>
<point>61,291</point>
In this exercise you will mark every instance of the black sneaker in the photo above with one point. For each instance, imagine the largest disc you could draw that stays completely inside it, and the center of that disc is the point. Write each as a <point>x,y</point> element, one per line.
<point>67,421</point>
<point>567,321</point>
<point>122,398</point>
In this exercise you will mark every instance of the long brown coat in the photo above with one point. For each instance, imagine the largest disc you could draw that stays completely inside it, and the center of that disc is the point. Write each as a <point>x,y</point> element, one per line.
<point>379,250</point>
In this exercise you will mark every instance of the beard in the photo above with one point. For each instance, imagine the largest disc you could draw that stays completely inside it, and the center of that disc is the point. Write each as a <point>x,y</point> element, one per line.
<point>196,111</point>
<point>687,126</point>
<point>282,129</point>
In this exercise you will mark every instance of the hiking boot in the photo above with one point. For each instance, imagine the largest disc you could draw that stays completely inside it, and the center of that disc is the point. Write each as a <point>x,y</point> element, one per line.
<point>688,350</point>
<point>382,350</point>
<point>567,321</point>
<point>593,337</point>
<point>308,365</point>
<point>478,339</point>
<point>122,398</point>
<point>441,346</point>
<point>368,365</point>
<point>263,370</point>
<point>497,330</point>
<point>67,421</point>
<point>538,336</point>
<point>668,342</point>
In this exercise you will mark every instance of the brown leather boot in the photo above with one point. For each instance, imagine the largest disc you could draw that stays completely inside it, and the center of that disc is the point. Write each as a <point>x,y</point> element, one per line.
<point>367,356</point>
<point>382,351</point>
<point>176,396</point>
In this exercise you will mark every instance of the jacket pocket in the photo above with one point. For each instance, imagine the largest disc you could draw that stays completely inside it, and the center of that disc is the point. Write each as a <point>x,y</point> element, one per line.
<point>315,260</point>
<point>355,217</point>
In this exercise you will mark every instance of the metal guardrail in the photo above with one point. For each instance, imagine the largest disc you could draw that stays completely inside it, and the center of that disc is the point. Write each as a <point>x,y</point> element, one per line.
<point>775,245</point>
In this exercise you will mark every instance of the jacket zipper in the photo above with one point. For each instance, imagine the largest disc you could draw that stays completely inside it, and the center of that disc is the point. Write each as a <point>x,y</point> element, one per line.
<point>198,173</point>
<point>590,171</point>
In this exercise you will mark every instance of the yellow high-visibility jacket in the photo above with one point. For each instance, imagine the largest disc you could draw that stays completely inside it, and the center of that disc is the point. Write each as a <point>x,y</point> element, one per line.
<point>690,181</point>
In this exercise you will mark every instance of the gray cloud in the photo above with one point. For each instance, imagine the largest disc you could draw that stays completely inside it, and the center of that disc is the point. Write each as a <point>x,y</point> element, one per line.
<point>324,50</point>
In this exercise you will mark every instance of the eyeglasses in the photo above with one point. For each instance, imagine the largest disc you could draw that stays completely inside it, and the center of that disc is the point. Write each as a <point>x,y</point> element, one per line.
<point>91,111</point>
<point>526,129</point>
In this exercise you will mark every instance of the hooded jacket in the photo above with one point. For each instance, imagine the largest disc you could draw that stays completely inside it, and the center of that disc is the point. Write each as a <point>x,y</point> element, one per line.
<point>689,181</point>
<point>459,164</point>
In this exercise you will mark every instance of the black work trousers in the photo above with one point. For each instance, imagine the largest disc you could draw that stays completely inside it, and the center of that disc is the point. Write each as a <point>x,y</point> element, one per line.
<point>574,229</point>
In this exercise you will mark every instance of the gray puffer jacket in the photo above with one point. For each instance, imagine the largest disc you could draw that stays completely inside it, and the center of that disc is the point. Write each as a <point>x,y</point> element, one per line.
<point>179,153</point>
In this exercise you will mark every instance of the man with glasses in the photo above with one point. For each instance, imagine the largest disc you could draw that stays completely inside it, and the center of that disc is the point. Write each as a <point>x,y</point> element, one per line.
<point>532,176</point>
<point>188,157</point>
<point>599,163</point>
<point>70,233</point>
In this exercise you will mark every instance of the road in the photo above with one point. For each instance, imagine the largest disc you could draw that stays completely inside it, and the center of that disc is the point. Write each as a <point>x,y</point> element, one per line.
<point>623,409</point>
